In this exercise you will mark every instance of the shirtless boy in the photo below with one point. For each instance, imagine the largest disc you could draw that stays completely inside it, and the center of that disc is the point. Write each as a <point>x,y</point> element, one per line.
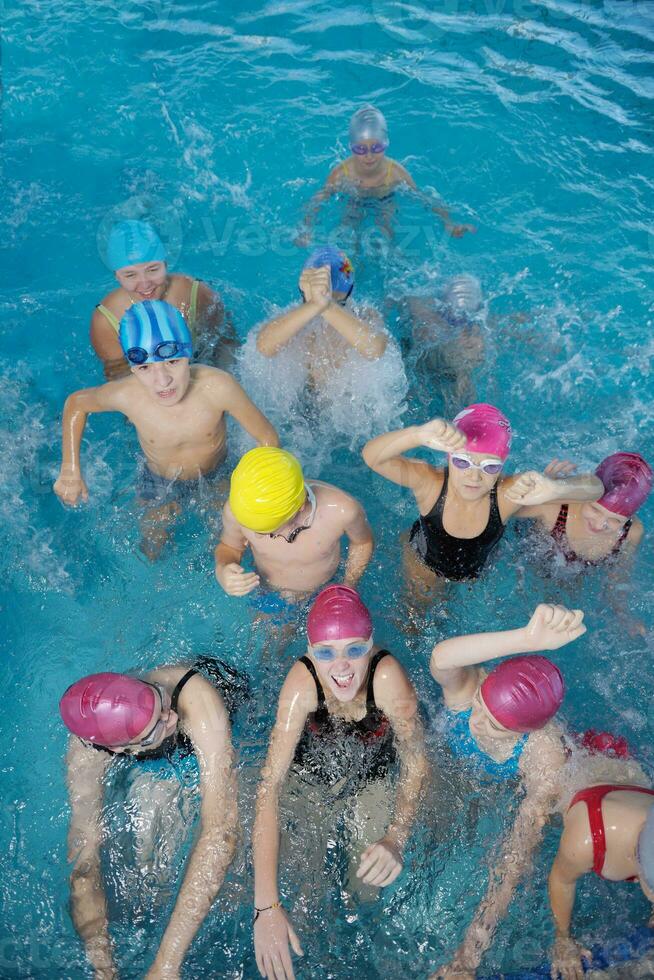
<point>293,528</point>
<point>137,258</point>
<point>178,410</point>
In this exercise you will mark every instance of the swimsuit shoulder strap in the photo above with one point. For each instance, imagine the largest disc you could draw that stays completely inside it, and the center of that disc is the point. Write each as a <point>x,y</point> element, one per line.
<point>494,518</point>
<point>193,304</point>
<point>370,691</point>
<point>346,168</point>
<point>174,697</point>
<point>111,317</point>
<point>389,171</point>
<point>437,510</point>
<point>623,534</point>
<point>320,694</point>
<point>560,524</point>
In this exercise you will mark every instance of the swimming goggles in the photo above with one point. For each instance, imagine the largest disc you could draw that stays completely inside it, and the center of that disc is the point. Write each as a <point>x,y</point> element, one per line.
<point>311,497</point>
<point>488,466</point>
<point>159,726</point>
<point>361,150</point>
<point>353,651</point>
<point>163,352</point>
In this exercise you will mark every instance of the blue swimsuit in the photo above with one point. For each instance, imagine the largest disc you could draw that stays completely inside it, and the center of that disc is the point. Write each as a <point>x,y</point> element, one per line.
<point>463,746</point>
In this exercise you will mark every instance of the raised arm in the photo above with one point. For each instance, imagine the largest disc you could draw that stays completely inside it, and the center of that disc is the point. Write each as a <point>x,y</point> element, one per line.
<point>272,928</point>
<point>367,340</point>
<point>236,402</point>
<point>381,863</point>
<point>229,572</point>
<point>208,729</point>
<point>454,662</point>
<point>531,492</point>
<point>88,903</point>
<point>70,485</point>
<point>361,541</point>
<point>277,333</point>
<point>383,454</point>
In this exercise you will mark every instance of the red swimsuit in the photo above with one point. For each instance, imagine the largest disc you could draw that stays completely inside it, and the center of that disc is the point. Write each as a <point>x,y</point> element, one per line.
<point>592,797</point>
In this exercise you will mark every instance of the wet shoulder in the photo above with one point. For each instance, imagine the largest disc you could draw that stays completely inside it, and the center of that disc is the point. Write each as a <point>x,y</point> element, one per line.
<point>116,301</point>
<point>298,691</point>
<point>392,687</point>
<point>399,173</point>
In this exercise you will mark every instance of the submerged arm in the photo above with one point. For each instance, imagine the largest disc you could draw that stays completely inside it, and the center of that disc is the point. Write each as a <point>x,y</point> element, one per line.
<point>106,345</point>
<point>216,326</point>
<point>361,542</point>
<point>216,843</point>
<point>88,903</point>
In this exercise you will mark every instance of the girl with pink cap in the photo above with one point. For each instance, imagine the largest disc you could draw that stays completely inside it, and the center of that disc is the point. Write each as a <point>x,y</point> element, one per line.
<point>345,711</point>
<point>463,508</point>
<point>591,532</point>
<point>170,713</point>
<point>501,722</point>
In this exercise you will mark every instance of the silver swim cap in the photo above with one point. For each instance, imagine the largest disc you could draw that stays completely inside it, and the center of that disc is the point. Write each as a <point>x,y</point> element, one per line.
<point>463,294</point>
<point>368,124</point>
<point>645,850</point>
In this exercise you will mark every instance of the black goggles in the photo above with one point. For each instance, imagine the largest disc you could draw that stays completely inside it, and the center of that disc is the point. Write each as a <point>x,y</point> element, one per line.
<point>163,352</point>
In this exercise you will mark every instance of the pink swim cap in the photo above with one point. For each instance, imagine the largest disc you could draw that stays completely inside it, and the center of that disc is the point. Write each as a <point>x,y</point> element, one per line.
<point>110,709</point>
<point>524,693</point>
<point>627,482</point>
<point>488,431</point>
<point>337,614</point>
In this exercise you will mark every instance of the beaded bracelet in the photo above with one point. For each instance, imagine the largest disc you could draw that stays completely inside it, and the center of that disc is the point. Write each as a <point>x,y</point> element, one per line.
<point>267,908</point>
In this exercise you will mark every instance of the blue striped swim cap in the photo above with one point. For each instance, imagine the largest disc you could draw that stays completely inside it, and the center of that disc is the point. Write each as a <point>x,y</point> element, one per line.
<point>341,267</point>
<point>130,242</point>
<point>645,850</point>
<point>146,326</point>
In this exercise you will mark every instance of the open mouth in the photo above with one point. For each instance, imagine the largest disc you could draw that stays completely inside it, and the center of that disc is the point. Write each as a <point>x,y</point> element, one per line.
<point>167,393</point>
<point>343,681</point>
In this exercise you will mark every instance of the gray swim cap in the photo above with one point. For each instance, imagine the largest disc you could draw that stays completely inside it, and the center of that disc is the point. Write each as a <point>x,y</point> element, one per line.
<point>645,850</point>
<point>368,124</point>
<point>463,294</point>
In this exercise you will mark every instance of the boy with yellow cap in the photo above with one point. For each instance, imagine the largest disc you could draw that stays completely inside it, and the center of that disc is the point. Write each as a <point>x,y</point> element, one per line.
<point>292,526</point>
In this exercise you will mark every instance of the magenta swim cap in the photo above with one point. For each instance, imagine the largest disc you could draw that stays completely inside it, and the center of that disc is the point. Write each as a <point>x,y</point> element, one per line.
<point>524,693</point>
<point>337,614</point>
<point>627,480</point>
<point>110,709</point>
<point>487,430</point>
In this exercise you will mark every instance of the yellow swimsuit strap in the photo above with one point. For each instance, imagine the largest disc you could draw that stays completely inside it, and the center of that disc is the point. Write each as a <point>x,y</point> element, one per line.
<point>111,317</point>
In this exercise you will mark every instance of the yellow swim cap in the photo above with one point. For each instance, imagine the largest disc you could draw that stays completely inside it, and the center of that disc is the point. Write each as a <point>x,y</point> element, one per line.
<point>266,489</point>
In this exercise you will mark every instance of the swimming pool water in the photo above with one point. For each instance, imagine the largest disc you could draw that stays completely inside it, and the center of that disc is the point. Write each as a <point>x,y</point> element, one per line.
<point>533,121</point>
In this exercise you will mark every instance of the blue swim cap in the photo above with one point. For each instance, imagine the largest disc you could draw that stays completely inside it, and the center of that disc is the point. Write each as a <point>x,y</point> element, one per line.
<point>338,262</point>
<point>645,850</point>
<point>146,327</point>
<point>133,241</point>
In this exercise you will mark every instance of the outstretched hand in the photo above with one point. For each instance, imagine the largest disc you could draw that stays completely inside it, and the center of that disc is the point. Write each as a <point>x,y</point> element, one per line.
<point>272,934</point>
<point>552,627</point>
<point>442,436</point>
<point>567,956</point>
<point>380,863</point>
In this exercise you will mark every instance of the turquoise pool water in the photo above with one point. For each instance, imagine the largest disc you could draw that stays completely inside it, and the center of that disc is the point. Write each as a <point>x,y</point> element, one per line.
<point>533,121</point>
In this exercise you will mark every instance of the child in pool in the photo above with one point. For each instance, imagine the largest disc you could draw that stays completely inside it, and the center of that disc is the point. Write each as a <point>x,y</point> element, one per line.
<point>502,722</point>
<point>345,711</point>
<point>370,173</point>
<point>137,257</point>
<point>174,709</point>
<point>591,532</point>
<point>178,411</point>
<point>469,495</point>
<point>326,283</point>
<point>293,528</point>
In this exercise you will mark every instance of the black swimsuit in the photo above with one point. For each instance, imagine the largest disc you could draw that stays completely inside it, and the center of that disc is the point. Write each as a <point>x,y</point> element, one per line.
<point>230,684</point>
<point>332,748</point>
<point>450,557</point>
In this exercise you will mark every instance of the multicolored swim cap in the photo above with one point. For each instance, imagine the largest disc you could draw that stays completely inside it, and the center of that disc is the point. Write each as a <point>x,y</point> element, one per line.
<point>486,428</point>
<point>627,480</point>
<point>131,242</point>
<point>266,489</point>
<point>146,326</point>
<point>337,614</point>
<point>645,850</point>
<point>523,693</point>
<point>368,123</point>
<point>341,267</point>
<point>463,294</point>
<point>108,709</point>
